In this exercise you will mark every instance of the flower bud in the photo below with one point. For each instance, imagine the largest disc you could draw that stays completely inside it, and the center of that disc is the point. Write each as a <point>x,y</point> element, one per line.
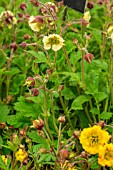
<point>61,119</point>
<point>60,87</point>
<point>84,22</point>
<point>90,5</point>
<point>34,2</point>
<point>35,92</point>
<point>26,37</point>
<point>23,6</point>
<point>100,2</point>
<point>30,81</point>
<point>60,4</point>
<point>2,125</point>
<point>13,46</point>
<point>49,71</point>
<point>20,15</point>
<point>101,124</point>
<point>89,57</point>
<point>38,124</point>
<point>23,44</point>
<point>83,154</point>
<point>76,134</point>
<point>64,154</point>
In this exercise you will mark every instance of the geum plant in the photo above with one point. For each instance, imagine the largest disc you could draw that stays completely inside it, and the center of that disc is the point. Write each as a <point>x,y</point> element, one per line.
<point>56,78</point>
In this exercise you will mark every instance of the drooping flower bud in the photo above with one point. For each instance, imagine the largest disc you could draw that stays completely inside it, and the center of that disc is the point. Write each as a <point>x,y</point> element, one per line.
<point>76,134</point>
<point>64,154</point>
<point>35,92</point>
<point>49,71</point>
<point>34,2</point>
<point>60,87</point>
<point>23,44</point>
<point>26,36</point>
<point>23,6</point>
<point>38,124</point>
<point>89,57</point>
<point>90,5</point>
<point>61,119</point>
<point>30,81</point>
<point>13,46</point>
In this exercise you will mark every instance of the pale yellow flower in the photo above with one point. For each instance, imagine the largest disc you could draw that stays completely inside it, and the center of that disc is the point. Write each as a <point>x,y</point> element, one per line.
<point>53,41</point>
<point>110,29</point>
<point>105,157</point>
<point>36,23</point>
<point>92,138</point>
<point>4,159</point>
<point>21,155</point>
<point>87,16</point>
<point>7,18</point>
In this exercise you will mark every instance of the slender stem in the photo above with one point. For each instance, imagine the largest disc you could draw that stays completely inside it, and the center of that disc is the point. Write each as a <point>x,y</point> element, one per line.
<point>67,58</point>
<point>53,112</point>
<point>83,53</point>
<point>45,112</point>
<point>55,59</point>
<point>46,134</point>
<point>59,135</point>
<point>87,114</point>
<point>91,106</point>
<point>65,111</point>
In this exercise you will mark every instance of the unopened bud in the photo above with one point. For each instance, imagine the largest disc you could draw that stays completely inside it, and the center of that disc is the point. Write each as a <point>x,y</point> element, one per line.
<point>84,22</point>
<point>100,2</point>
<point>23,44</point>
<point>60,4</point>
<point>89,57</point>
<point>101,124</point>
<point>61,119</point>
<point>34,2</point>
<point>83,154</point>
<point>13,46</point>
<point>64,154</point>
<point>38,124</point>
<point>2,125</point>
<point>30,81</point>
<point>90,5</point>
<point>60,87</point>
<point>76,134</point>
<point>26,37</point>
<point>35,92</point>
<point>49,71</point>
<point>23,6</point>
<point>20,15</point>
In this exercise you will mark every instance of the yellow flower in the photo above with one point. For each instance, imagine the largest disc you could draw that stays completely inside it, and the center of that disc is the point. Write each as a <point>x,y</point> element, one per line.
<point>7,18</point>
<point>105,157</point>
<point>92,138</point>
<point>4,159</point>
<point>53,41</point>
<point>87,16</point>
<point>21,155</point>
<point>36,23</point>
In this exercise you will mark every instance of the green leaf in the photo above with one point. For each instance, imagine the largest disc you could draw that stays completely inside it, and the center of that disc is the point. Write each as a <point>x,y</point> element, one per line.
<point>40,56</point>
<point>3,113</point>
<point>100,96</point>
<point>95,111</point>
<point>38,139</point>
<point>77,103</point>
<point>28,109</point>
<point>106,115</point>
<point>68,94</point>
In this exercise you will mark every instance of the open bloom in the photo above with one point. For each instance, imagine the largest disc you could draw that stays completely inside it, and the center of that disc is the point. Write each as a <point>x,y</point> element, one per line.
<point>4,159</point>
<point>53,41</point>
<point>21,155</point>
<point>7,18</point>
<point>105,157</point>
<point>92,138</point>
<point>87,16</point>
<point>110,32</point>
<point>36,23</point>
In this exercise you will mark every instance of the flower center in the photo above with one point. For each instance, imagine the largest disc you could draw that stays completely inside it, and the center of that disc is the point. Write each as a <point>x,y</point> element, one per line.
<point>53,40</point>
<point>93,140</point>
